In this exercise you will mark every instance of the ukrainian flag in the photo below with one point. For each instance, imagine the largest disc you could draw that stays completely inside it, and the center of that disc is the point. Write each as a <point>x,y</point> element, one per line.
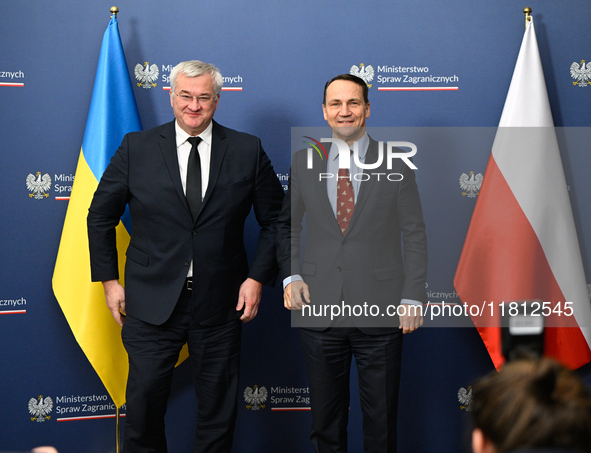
<point>113,113</point>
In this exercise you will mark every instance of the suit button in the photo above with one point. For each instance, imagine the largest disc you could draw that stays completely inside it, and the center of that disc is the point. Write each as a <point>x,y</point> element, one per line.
<point>339,269</point>
<point>194,233</point>
<point>187,263</point>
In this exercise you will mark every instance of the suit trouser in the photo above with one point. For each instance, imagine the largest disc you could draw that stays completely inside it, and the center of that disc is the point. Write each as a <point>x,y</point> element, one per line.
<point>328,357</point>
<point>214,354</point>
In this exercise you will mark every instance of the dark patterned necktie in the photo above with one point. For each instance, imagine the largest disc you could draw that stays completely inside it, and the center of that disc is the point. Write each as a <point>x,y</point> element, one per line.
<point>345,199</point>
<point>193,191</point>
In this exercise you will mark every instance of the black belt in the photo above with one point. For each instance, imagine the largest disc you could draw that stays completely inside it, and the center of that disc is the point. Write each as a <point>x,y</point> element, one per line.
<point>189,284</point>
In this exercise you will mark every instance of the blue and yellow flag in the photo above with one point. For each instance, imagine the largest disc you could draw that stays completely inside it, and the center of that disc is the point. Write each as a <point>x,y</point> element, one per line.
<point>113,113</point>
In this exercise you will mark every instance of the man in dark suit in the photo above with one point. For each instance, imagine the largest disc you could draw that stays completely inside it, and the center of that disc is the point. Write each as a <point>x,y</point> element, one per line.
<point>352,280</point>
<point>187,279</point>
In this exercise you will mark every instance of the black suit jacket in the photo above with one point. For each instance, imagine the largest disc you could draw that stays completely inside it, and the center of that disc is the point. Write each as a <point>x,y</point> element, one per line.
<point>366,264</point>
<point>144,175</point>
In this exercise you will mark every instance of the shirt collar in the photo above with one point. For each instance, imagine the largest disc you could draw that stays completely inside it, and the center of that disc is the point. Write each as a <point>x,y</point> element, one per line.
<point>182,136</point>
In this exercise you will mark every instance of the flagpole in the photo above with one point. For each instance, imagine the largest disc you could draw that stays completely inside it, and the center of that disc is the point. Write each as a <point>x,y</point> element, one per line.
<point>118,434</point>
<point>527,11</point>
<point>114,10</point>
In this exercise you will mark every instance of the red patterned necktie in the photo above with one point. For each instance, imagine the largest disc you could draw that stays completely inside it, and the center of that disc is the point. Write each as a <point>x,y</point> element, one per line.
<point>345,199</point>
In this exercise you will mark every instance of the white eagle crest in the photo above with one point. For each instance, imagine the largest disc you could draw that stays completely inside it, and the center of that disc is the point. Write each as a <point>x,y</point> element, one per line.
<point>39,185</point>
<point>255,397</point>
<point>364,72</point>
<point>581,73</point>
<point>147,76</point>
<point>40,408</point>
<point>465,398</point>
<point>471,184</point>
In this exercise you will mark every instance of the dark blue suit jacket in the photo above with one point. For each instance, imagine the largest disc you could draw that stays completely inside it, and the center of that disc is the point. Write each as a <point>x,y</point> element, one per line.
<point>144,175</point>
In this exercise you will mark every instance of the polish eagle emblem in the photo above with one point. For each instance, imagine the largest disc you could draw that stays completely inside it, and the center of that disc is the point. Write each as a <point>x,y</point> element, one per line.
<point>146,75</point>
<point>40,409</point>
<point>471,184</point>
<point>581,73</point>
<point>365,73</point>
<point>465,398</point>
<point>255,396</point>
<point>39,185</point>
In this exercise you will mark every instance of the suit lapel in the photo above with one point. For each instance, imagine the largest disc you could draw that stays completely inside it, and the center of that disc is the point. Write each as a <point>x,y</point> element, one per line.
<point>218,152</point>
<point>322,191</point>
<point>167,143</point>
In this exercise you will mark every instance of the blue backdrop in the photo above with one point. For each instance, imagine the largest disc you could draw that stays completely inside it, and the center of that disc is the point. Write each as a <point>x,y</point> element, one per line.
<point>276,57</point>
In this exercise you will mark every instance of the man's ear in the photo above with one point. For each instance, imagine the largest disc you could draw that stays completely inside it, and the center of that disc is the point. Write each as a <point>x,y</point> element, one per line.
<point>480,443</point>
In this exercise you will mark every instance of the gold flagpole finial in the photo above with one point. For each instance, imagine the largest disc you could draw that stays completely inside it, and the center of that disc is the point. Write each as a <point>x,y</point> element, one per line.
<point>114,11</point>
<point>527,11</point>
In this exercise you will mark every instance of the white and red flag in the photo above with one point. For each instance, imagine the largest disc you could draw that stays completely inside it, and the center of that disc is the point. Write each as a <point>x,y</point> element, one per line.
<point>522,243</point>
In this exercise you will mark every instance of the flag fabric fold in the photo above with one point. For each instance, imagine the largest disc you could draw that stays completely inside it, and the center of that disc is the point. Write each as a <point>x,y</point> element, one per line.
<point>113,113</point>
<point>522,243</point>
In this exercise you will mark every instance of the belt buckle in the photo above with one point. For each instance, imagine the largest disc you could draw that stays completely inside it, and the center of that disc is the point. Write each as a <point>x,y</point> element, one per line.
<point>189,284</point>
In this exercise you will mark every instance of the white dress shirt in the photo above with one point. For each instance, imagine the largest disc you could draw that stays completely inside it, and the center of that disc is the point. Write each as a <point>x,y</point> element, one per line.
<point>183,149</point>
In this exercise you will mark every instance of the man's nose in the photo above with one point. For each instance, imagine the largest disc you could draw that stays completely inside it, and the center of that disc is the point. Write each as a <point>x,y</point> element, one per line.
<point>345,110</point>
<point>194,104</point>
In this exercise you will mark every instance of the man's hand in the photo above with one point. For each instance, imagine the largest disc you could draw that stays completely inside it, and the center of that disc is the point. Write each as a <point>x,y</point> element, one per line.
<point>296,294</point>
<point>412,319</point>
<point>115,297</point>
<point>249,298</point>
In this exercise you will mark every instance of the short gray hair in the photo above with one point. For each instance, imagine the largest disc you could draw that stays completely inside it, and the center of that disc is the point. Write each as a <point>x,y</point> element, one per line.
<point>195,68</point>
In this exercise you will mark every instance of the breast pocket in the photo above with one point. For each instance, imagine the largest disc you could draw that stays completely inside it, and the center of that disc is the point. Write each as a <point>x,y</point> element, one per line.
<point>235,196</point>
<point>238,185</point>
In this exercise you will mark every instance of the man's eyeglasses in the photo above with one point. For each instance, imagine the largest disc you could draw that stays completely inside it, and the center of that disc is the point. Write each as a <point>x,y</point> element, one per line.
<point>204,100</point>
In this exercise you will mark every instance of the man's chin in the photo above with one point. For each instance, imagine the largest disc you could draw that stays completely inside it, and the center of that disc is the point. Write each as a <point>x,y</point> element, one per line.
<point>348,132</point>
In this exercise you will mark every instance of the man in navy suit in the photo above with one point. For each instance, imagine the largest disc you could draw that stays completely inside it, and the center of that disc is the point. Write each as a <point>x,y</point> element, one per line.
<point>187,279</point>
<point>365,261</point>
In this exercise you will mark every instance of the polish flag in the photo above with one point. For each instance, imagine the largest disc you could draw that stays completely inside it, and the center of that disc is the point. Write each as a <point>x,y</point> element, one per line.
<point>522,243</point>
